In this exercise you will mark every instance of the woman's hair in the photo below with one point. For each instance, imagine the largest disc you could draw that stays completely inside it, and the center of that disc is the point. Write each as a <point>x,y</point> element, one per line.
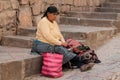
<point>50,9</point>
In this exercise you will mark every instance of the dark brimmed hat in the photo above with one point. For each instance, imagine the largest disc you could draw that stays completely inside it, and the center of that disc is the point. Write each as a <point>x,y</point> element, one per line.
<point>52,9</point>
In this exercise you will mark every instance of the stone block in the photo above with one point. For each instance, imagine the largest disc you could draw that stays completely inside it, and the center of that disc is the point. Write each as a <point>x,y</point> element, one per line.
<point>88,22</point>
<point>93,15</point>
<point>92,9</point>
<point>76,8</point>
<point>58,1</point>
<point>27,31</point>
<point>8,22</point>
<point>50,1</point>
<point>83,2</point>
<point>103,9</point>
<point>97,2</point>
<point>0,71</point>
<point>15,41</point>
<point>102,1</point>
<point>118,16</point>
<point>80,2</point>
<point>112,5</point>
<point>7,17</point>
<point>76,2</point>
<point>11,13</point>
<point>58,19</point>
<point>9,32</point>
<point>74,35</point>
<point>90,3</point>
<point>37,8</point>
<point>24,1</point>
<point>36,19</point>
<point>82,8</point>
<point>62,2</point>
<point>25,17</point>
<point>33,66</point>
<point>33,1</point>
<point>11,71</point>
<point>15,4</point>
<point>117,24</point>
<point>91,40</point>
<point>45,7</point>
<point>4,4</point>
<point>37,5</point>
<point>114,1</point>
<point>65,8</point>
<point>1,34</point>
<point>68,2</point>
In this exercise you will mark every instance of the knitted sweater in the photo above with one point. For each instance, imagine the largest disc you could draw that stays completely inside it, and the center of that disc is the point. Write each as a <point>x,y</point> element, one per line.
<point>49,32</point>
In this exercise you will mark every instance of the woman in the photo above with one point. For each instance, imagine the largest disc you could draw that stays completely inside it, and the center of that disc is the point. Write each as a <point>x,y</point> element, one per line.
<point>50,39</point>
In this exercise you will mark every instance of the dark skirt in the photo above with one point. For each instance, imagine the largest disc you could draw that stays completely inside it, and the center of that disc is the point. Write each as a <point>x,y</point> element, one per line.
<point>40,47</point>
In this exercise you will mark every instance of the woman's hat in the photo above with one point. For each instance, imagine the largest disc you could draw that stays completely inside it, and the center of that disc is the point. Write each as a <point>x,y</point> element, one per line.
<point>52,9</point>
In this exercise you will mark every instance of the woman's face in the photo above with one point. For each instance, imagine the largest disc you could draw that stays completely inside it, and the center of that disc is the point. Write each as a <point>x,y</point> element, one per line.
<point>52,16</point>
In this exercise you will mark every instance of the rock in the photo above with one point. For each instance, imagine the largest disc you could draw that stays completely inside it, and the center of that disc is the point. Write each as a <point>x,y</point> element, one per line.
<point>37,8</point>
<point>4,4</point>
<point>11,71</point>
<point>25,16</point>
<point>24,1</point>
<point>68,2</point>
<point>65,8</point>
<point>33,1</point>
<point>8,22</point>
<point>36,19</point>
<point>15,4</point>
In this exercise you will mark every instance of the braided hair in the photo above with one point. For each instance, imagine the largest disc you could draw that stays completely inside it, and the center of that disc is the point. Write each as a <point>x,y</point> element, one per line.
<point>50,9</point>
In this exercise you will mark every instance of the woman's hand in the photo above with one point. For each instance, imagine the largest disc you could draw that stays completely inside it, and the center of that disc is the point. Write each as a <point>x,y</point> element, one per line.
<point>64,44</point>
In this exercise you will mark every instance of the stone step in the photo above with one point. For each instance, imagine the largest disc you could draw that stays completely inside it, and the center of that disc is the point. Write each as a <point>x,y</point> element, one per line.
<point>80,34</point>
<point>89,22</point>
<point>96,15</point>
<point>17,41</point>
<point>114,1</point>
<point>105,9</point>
<point>93,36</point>
<point>111,5</point>
<point>18,63</point>
<point>27,31</point>
<point>87,35</point>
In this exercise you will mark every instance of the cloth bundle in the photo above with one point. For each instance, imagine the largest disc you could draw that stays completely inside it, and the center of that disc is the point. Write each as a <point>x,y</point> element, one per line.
<point>82,50</point>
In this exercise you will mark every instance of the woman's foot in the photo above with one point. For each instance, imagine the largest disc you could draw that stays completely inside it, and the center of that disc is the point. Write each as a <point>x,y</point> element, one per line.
<point>86,67</point>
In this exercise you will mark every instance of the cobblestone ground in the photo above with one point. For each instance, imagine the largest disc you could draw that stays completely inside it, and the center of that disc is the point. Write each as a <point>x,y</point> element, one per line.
<point>109,69</point>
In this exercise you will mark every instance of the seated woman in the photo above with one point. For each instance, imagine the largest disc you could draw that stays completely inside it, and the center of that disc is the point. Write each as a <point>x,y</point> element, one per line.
<point>50,39</point>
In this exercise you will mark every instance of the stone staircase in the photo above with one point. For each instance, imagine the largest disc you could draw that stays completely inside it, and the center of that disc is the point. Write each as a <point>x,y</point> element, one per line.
<point>90,28</point>
<point>92,36</point>
<point>110,6</point>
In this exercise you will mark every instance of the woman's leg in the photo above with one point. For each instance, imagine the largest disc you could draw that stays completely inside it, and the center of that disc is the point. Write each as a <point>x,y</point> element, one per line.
<point>67,55</point>
<point>40,47</point>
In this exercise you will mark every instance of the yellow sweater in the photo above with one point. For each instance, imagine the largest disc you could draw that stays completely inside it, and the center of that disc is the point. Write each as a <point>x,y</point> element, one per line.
<point>49,32</point>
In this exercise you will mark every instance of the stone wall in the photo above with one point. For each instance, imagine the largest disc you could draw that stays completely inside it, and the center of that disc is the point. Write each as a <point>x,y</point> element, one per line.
<point>26,13</point>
